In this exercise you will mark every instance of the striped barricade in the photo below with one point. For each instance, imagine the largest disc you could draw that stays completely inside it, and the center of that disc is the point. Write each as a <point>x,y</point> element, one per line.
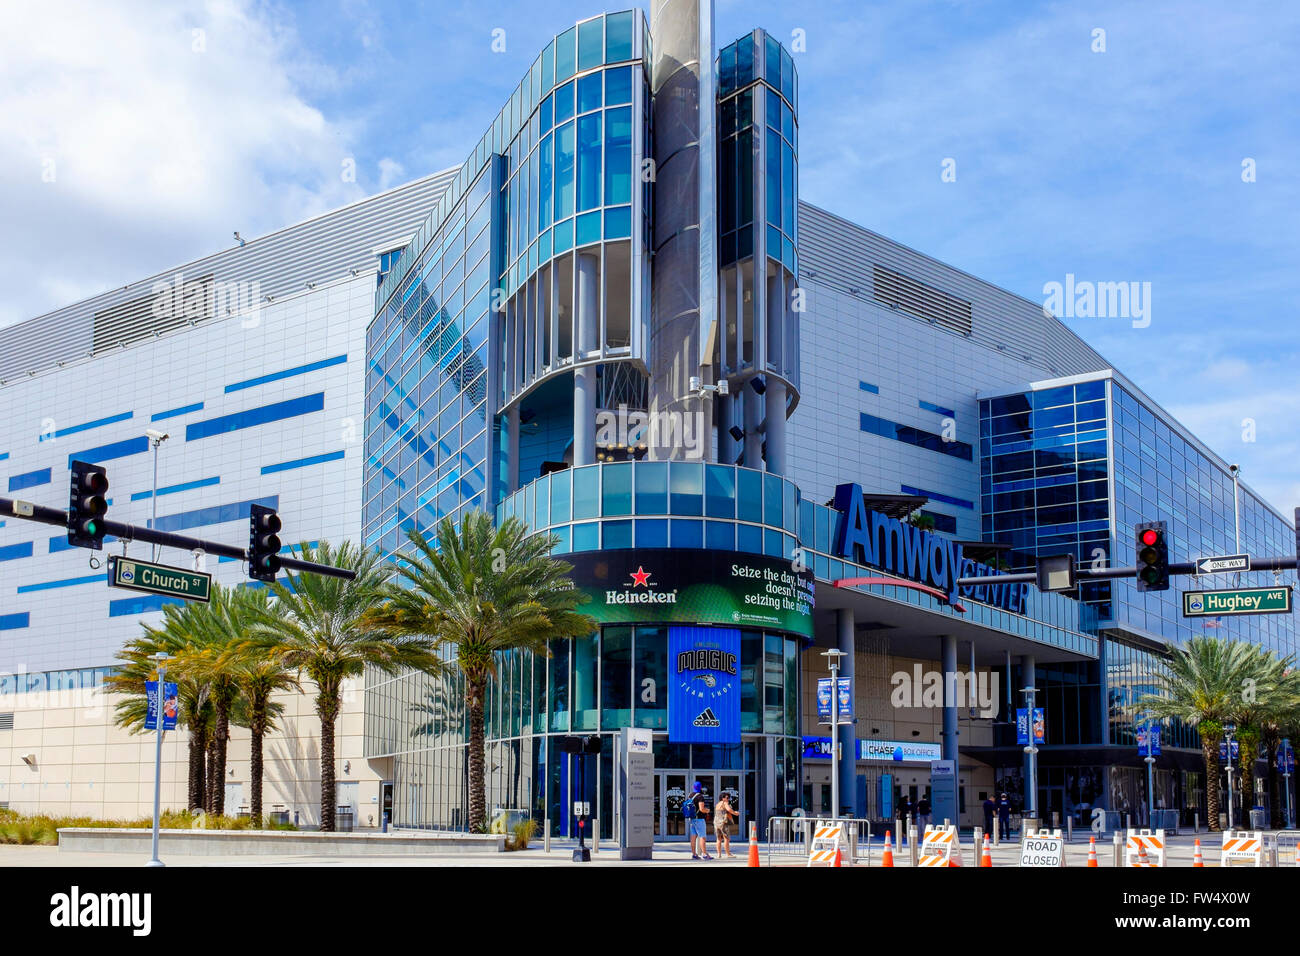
<point>937,846</point>
<point>826,844</point>
<point>1242,846</point>
<point>1145,842</point>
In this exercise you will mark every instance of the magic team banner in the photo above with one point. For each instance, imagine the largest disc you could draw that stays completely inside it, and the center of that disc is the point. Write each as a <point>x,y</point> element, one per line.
<point>694,586</point>
<point>704,685</point>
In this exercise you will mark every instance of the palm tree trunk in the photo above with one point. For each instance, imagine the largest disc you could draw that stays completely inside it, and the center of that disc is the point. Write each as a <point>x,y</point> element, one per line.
<point>211,778</point>
<point>477,789</point>
<point>1247,778</point>
<point>197,747</point>
<point>328,797</point>
<point>257,729</point>
<point>220,739</point>
<point>1210,750</point>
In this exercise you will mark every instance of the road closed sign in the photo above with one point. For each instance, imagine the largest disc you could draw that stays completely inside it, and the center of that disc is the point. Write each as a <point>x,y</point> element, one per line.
<point>1042,851</point>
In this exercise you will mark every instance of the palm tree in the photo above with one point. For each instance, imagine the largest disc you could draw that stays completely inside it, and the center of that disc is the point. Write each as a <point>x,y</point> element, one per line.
<point>218,629</point>
<point>314,629</point>
<point>1271,691</point>
<point>1202,686</point>
<point>481,590</point>
<point>177,634</point>
<point>260,673</point>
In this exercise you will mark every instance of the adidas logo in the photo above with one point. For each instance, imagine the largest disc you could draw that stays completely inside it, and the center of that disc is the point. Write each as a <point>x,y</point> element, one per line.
<point>707,719</point>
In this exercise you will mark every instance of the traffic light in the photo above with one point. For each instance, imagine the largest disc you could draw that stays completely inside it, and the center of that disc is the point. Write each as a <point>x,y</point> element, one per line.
<point>1152,557</point>
<point>87,505</point>
<point>263,544</point>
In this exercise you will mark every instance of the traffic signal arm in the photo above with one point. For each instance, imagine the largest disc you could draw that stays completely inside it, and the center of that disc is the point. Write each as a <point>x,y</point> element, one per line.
<point>25,511</point>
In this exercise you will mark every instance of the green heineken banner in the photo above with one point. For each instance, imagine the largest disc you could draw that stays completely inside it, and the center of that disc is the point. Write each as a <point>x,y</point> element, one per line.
<point>659,585</point>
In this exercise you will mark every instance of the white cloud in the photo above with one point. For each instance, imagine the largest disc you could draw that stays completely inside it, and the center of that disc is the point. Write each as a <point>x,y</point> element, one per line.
<point>165,128</point>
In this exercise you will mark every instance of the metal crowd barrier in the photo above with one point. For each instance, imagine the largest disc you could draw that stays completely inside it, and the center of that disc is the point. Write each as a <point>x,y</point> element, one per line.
<point>1285,843</point>
<point>792,837</point>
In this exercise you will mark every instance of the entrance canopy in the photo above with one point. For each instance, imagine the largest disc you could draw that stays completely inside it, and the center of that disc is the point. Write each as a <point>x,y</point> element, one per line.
<point>914,619</point>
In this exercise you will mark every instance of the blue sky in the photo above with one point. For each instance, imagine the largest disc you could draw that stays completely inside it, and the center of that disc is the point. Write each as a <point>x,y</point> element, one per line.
<point>1115,166</point>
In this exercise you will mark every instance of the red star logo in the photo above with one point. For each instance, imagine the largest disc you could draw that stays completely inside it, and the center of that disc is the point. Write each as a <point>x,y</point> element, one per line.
<point>640,577</point>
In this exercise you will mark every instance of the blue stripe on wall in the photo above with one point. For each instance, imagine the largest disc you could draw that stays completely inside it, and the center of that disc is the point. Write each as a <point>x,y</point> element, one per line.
<point>173,489</point>
<point>29,480</point>
<point>935,496</point>
<point>938,409</point>
<point>217,514</point>
<point>64,583</point>
<point>173,412</point>
<point>73,429</point>
<point>11,622</point>
<point>301,462</point>
<point>287,373</point>
<point>4,455</point>
<point>868,387</point>
<point>11,552</point>
<point>255,416</point>
<point>132,446</point>
<point>140,605</point>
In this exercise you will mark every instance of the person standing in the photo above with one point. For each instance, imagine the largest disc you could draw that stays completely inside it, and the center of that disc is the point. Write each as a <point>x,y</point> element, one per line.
<point>922,814</point>
<point>1004,816</point>
<point>989,807</point>
<point>721,819</point>
<point>695,820</point>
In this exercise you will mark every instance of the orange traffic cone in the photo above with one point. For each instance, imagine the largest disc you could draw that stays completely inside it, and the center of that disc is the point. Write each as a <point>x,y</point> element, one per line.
<point>753,844</point>
<point>1092,851</point>
<point>1197,859</point>
<point>888,858</point>
<point>987,858</point>
<point>1142,855</point>
<point>837,858</point>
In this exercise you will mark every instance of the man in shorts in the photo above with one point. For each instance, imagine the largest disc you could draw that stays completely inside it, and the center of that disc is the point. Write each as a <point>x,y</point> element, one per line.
<point>698,823</point>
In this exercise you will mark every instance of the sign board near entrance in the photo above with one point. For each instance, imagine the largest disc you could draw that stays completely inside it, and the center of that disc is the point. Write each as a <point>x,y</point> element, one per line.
<point>1237,601</point>
<point>158,579</point>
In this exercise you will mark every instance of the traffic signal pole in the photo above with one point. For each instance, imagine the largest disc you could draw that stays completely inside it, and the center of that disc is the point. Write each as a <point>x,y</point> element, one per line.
<point>1286,562</point>
<point>26,511</point>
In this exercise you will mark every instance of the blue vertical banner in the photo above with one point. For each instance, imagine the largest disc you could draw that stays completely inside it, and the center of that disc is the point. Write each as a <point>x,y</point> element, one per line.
<point>170,705</point>
<point>1024,725</point>
<point>704,685</point>
<point>824,695</point>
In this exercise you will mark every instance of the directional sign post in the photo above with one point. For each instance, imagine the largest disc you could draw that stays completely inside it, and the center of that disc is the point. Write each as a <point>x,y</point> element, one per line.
<point>1224,564</point>
<point>158,579</point>
<point>1237,601</point>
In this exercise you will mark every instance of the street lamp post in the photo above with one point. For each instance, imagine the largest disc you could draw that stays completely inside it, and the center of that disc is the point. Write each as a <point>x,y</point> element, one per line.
<point>1228,731</point>
<point>160,696</point>
<point>1031,784</point>
<point>1151,762</point>
<point>833,657</point>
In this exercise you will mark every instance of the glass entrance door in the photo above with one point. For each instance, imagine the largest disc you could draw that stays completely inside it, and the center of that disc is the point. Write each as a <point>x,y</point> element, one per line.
<point>670,793</point>
<point>672,790</point>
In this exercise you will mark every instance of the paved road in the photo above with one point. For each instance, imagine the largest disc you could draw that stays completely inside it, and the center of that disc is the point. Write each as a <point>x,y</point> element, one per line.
<point>1180,850</point>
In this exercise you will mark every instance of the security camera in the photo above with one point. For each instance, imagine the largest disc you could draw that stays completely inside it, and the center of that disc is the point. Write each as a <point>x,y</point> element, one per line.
<point>1234,468</point>
<point>155,434</point>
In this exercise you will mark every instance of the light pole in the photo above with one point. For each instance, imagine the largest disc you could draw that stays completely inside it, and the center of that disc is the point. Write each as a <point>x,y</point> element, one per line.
<point>1286,776</point>
<point>1031,785</point>
<point>160,697</point>
<point>833,658</point>
<point>1228,731</point>
<point>156,438</point>
<point>1151,762</point>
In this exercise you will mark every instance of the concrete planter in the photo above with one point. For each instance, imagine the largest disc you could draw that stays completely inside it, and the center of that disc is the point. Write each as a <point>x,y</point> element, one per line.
<point>277,842</point>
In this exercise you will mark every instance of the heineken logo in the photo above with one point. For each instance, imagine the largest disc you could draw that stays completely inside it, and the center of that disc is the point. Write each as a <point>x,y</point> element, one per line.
<point>640,578</point>
<point>707,719</point>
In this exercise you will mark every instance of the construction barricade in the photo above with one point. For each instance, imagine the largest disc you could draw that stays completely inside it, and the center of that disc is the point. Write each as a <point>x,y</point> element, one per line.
<point>1039,848</point>
<point>939,846</point>
<point>828,848</point>
<point>1145,848</point>
<point>1242,846</point>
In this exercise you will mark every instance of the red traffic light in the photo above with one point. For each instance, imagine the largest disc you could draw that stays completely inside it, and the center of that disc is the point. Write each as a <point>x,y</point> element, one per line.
<point>1149,536</point>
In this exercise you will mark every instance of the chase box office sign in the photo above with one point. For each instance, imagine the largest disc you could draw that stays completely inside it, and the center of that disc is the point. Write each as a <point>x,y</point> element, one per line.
<point>704,685</point>
<point>659,585</point>
<point>870,538</point>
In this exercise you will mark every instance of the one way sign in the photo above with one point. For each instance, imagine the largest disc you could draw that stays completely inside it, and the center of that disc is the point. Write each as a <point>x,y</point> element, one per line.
<point>1224,564</point>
